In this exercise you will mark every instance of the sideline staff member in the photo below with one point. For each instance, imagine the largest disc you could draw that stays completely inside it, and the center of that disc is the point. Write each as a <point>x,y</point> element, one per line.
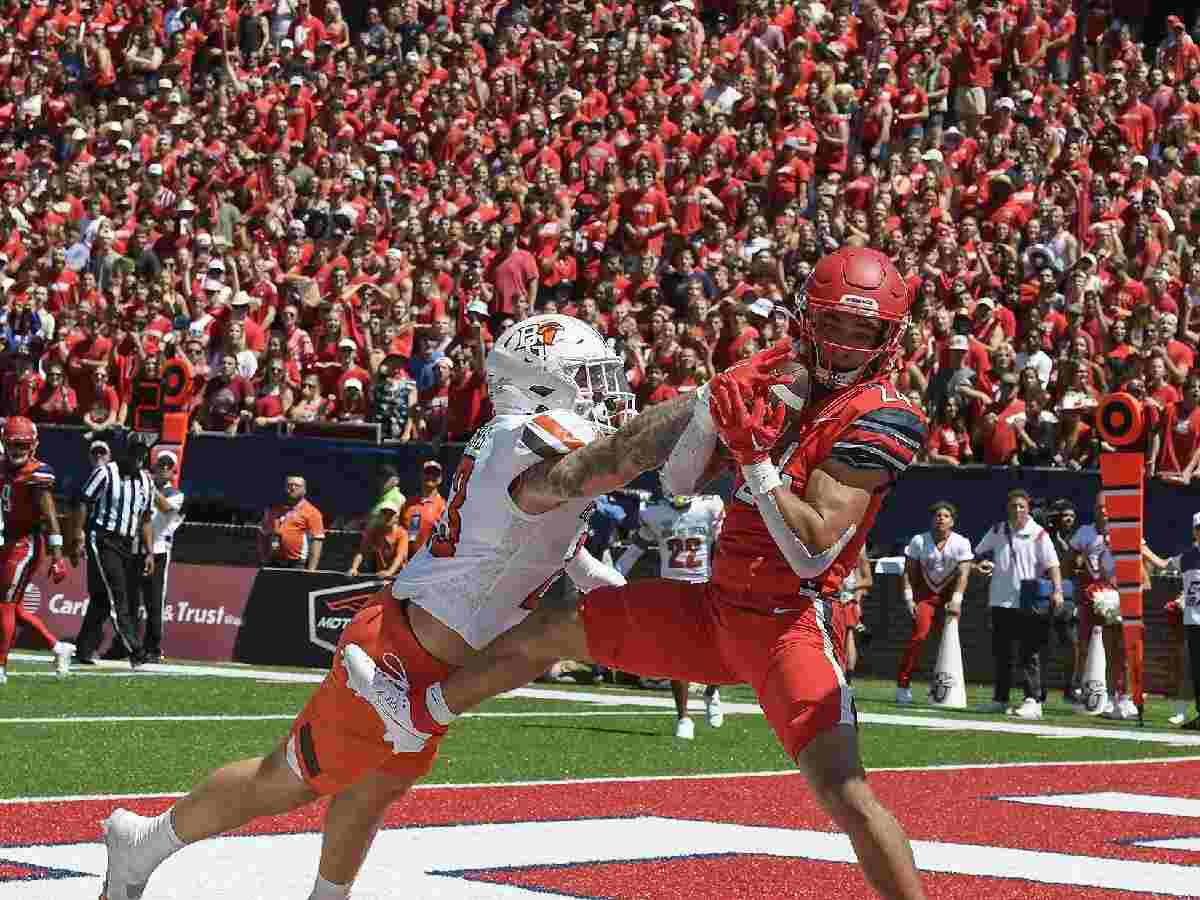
<point>293,532</point>
<point>116,502</point>
<point>1021,552</point>
<point>421,513</point>
<point>167,517</point>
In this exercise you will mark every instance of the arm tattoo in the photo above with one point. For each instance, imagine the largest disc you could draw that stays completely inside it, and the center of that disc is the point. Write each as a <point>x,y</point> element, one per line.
<point>616,459</point>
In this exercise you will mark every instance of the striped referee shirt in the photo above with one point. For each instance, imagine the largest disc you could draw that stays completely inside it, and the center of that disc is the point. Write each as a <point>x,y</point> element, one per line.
<point>118,505</point>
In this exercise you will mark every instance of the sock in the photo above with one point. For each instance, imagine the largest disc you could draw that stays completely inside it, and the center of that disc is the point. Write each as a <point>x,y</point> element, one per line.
<point>437,705</point>
<point>161,839</point>
<point>8,630</point>
<point>327,890</point>
<point>37,625</point>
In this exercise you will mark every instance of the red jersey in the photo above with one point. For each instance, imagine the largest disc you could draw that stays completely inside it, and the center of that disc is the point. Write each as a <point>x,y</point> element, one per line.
<point>868,426</point>
<point>18,498</point>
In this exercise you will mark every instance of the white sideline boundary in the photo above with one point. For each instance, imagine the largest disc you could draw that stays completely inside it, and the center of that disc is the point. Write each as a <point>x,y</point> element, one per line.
<point>933,723</point>
<point>287,717</point>
<point>633,779</point>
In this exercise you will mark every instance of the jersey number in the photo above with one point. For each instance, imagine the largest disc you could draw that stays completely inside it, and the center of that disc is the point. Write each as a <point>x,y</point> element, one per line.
<point>683,553</point>
<point>449,529</point>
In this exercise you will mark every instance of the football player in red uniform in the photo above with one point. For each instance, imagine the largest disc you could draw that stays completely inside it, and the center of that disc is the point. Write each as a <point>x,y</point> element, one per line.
<point>26,511</point>
<point>815,466</point>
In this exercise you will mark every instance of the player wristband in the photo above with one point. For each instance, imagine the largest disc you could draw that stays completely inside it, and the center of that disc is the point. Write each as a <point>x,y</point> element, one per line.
<point>761,477</point>
<point>908,595</point>
<point>54,540</point>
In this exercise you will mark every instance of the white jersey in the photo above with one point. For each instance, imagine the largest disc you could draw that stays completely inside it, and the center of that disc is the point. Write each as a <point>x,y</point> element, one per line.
<point>1097,555</point>
<point>487,563</point>
<point>1188,564</point>
<point>685,537</point>
<point>938,565</point>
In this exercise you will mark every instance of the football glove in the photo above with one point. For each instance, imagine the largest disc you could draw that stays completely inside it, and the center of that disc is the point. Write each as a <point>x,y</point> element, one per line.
<point>748,432</point>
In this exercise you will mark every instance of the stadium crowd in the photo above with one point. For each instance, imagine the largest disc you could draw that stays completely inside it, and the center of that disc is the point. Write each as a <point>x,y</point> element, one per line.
<point>332,226</point>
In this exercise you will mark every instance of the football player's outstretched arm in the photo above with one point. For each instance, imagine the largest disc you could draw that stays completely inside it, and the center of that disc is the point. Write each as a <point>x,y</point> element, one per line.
<point>605,464</point>
<point>812,530</point>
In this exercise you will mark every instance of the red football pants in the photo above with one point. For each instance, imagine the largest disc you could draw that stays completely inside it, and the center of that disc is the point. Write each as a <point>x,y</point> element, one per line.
<point>923,622</point>
<point>790,652</point>
<point>18,560</point>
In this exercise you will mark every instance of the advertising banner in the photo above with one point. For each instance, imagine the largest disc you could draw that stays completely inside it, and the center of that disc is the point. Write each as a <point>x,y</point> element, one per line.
<point>295,618</point>
<point>202,614</point>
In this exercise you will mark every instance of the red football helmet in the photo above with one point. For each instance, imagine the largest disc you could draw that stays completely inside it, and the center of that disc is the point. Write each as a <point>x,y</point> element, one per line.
<point>854,282</point>
<point>20,440</point>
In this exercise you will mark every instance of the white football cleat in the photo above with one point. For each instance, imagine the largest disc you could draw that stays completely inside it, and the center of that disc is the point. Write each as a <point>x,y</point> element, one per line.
<point>129,864</point>
<point>1178,719</point>
<point>1110,709</point>
<point>3,675</point>
<point>388,696</point>
<point>904,696</point>
<point>62,657</point>
<point>685,729</point>
<point>1126,709</point>
<point>713,711</point>
<point>1030,709</point>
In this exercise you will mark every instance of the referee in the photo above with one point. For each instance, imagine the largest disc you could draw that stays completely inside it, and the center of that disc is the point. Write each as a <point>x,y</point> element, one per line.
<point>111,523</point>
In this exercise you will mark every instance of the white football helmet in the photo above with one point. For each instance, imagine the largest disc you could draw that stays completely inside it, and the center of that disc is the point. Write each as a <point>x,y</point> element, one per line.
<point>559,362</point>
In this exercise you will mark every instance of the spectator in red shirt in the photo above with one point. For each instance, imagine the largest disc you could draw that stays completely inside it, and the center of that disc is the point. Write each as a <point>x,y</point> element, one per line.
<point>512,274</point>
<point>228,398</point>
<point>56,402</point>
<point>467,406</point>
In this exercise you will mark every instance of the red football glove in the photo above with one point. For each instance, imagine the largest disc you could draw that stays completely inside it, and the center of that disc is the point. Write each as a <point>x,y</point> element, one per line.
<point>749,433</point>
<point>58,570</point>
<point>756,374</point>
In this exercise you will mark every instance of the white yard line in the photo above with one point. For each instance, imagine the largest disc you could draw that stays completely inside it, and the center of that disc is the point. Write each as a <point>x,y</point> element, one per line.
<point>997,725</point>
<point>270,717</point>
<point>939,723</point>
<point>108,667</point>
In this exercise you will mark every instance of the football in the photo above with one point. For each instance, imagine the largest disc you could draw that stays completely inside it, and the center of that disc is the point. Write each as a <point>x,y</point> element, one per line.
<point>795,392</point>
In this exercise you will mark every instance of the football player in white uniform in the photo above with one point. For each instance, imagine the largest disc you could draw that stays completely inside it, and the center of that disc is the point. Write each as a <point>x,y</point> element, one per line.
<point>565,432</point>
<point>684,529</point>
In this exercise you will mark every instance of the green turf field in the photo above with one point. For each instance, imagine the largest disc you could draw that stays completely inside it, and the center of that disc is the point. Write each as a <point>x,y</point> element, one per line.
<point>51,747</point>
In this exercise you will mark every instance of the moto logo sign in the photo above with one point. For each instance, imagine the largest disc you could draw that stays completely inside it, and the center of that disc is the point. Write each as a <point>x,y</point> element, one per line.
<point>331,609</point>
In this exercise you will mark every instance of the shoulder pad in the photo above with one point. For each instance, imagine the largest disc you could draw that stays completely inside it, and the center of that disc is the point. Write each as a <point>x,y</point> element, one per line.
<point>37,473</point>
<point>556,433</point>
<point>886,437</point>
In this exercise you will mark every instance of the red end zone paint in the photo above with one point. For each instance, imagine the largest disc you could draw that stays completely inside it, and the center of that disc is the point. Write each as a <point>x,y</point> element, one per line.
<point>745,877</point>
<point>952,806</point>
